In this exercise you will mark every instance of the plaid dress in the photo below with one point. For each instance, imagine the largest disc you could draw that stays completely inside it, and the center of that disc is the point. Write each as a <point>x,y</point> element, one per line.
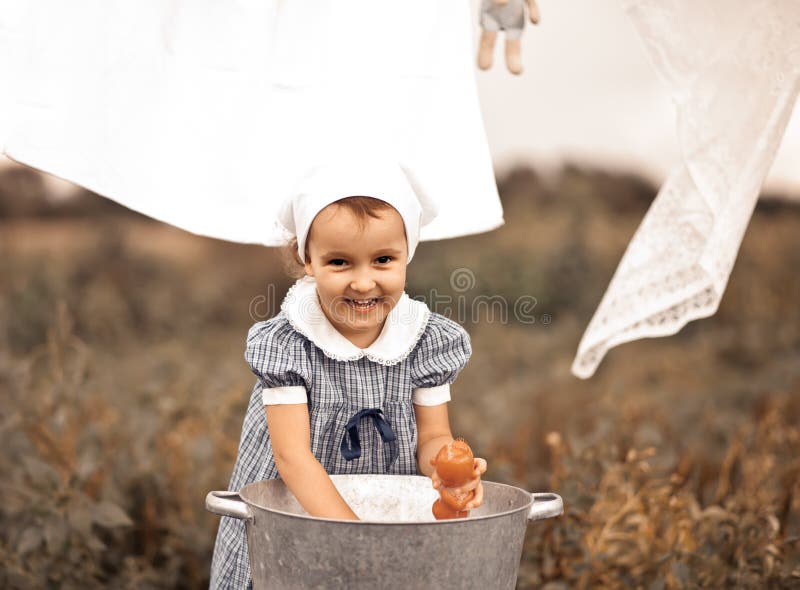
<point>337,391</point>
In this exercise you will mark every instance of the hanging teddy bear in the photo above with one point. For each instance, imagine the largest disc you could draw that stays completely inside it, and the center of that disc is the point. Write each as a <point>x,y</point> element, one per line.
<point>507,16</point>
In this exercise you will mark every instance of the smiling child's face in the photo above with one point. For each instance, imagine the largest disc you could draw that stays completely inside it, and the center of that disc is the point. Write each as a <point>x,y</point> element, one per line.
<point>360,273</point>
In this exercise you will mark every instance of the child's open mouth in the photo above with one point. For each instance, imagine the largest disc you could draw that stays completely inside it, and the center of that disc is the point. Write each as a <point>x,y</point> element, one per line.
<point>363,304</point>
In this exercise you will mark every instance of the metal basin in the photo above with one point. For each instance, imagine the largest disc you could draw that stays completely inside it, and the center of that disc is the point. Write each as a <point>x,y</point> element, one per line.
<point>396,544</point>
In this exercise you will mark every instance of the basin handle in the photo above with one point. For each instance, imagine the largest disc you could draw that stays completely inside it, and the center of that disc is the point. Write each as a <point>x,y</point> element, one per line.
<point>546,505</point>
<point>228,504</point>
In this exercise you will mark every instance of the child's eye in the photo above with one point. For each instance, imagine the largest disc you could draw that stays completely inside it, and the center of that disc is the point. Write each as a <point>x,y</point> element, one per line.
<point>383,259</point>
<point>337,262</point>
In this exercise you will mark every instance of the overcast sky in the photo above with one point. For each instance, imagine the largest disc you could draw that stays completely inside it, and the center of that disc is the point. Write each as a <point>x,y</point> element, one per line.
<point>589,94</point>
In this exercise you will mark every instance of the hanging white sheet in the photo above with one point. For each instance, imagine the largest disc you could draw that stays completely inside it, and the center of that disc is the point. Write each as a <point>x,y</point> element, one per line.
<point>205,114</point>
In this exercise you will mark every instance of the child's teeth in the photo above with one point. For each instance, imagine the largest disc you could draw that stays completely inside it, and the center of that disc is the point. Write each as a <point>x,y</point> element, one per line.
<point>363,303</point>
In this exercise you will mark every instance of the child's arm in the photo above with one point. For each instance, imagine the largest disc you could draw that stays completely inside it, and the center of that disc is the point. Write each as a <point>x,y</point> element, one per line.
<point>299,469</point>
<point>433,432</point>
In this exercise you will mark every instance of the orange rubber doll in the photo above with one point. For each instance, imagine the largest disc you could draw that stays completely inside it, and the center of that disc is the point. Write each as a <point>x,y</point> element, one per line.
<point>455,467</point>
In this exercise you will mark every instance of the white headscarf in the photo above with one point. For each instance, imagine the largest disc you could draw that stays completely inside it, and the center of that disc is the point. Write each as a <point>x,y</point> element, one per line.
<point>384,180</point>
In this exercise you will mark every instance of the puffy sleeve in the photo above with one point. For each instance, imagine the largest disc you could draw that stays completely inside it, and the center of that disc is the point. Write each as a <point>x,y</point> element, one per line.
<point>442,351</point>
<point>277,356</point>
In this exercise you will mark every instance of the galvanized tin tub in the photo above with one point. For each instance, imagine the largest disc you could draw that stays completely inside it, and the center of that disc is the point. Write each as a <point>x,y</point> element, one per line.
<point>397,544</point>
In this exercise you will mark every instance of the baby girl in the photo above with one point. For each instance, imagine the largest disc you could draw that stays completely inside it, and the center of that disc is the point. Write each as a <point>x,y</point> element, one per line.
<point>353,375</point>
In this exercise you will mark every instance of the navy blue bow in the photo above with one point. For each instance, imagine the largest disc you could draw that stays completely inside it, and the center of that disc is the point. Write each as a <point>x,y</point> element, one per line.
<point>351,442</point>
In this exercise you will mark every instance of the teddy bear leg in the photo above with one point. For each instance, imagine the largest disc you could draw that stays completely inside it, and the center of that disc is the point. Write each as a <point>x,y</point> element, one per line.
<point>513,56</point>
<point>533,12</point>
<point>486,49</point>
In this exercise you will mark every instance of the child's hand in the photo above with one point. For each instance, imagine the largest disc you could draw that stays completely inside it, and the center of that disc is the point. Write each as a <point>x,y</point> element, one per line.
<point>479,468</point>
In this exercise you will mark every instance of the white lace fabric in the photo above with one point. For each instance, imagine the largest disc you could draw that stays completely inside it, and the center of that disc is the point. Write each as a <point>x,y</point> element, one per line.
<point>403,328</point>
<point>734,72</point>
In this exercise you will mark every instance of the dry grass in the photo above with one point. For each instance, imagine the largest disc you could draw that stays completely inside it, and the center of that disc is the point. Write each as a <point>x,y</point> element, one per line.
<point>124,389</point>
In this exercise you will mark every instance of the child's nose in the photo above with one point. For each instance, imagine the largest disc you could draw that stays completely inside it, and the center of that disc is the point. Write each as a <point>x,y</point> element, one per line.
<point>362,283</point>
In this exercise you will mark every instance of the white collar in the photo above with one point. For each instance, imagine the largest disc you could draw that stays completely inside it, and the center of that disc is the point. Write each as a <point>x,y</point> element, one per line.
<point>402,330</point>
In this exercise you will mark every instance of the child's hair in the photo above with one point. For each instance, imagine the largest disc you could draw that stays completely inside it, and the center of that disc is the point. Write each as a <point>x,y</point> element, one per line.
<point>362,208</point>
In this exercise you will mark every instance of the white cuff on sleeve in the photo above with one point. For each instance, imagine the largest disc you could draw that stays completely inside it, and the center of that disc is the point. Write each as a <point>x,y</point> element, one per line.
<point>294,394</point>
<point>431,396</point>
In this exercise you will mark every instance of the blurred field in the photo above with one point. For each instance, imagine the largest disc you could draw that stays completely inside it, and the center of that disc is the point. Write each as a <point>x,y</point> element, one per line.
<point>124,388</point>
